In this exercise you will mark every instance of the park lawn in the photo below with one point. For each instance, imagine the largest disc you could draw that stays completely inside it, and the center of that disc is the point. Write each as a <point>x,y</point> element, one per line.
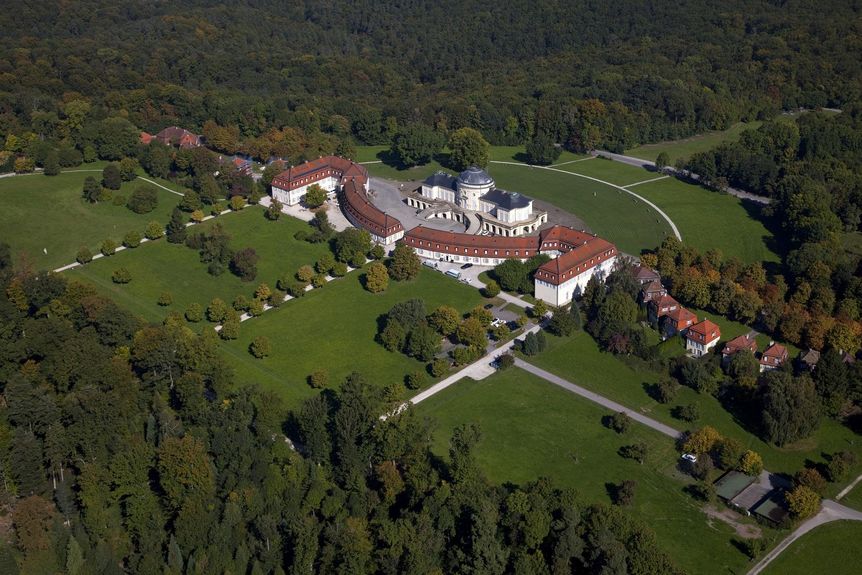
<point>832,548</point>
<point>334,328</point>
<point>579,359</point>
<point>533,429</point>
<point>616,173</point>
<point>685,147</point>
<point>159,266</point>
<point>712,220</point>
<point>611,213</point>
<point>854,498</point>
<point>48,213</point>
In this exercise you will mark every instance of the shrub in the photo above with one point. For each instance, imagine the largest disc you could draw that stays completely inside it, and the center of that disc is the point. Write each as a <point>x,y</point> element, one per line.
<point>803,502</point>
<point>154,231</point>
<point>276,298</point>
<point>492,289</point>
<point>144,199</point>
<point>378,252</point>
<point>665,390</point>
<point>319,379</point>
<point>237,203</point>
<point>255,307</point>
<point>467,354</point>
<point>620,422</point>
<point>106,195</point>
<point>262,292</point>
<point>229,329</point>
<point>121,276</point>
<point>273,212</point>
<point>325,263</point>
<point>376,278</point>
<point>305,273</point>
<point>690,412</point>
<point>415,380</point>
<point>217,208</point>
<point>624,493</point>
<point>505,361</point>
<point>438,367</point>
<point>260,346</point>
<point>296,289</point>
<point>111,177</point>
<point>240,303</point>
<point>132,239</point>
<point>540,309</point>
<point>217,310</point>
<point>84,256</point>
<point>194,313</point>
<point>338,270</point>
<point>244,264</point>
<point>197,216</point>
<point>109,247</point>
<point>357,260</point>
<point>318,281</point>
<point>165,299</point>
<point>562,323</point>
<point>637,451</point>
<point>812,479</point>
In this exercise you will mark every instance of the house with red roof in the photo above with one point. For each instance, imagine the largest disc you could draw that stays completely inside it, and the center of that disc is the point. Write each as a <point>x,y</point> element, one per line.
<point>652,290</point>
<point>774,357</point>
<point>702,337</point>
<point>328,172</point>
<point>740,343</point>
<point>660,307</point>
<point>174,136</point>
<point>645,275</point>
<point>566,276</point>
<point>677,321</point>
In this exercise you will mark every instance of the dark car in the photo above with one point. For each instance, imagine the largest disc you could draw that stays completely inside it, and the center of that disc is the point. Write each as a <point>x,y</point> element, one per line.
<point>465,266</point>
<point>489,305</point>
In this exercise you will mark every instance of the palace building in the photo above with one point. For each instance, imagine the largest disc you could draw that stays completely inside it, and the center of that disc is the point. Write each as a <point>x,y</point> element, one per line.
<point>473,199</point>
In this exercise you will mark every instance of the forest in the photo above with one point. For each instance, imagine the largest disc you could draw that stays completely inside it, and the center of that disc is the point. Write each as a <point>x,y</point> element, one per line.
<point>305,76</point>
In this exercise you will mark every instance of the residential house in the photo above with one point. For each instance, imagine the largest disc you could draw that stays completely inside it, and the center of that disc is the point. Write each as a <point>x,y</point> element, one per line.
<point>660,307</point>
<point>702,337</point>
<point>774,356</point>
<point>645,275</point>
<point>808,360</point>
<point>652,290</point>
<point>174,136</point>
<point>677,321</point>
<point>742,343</point>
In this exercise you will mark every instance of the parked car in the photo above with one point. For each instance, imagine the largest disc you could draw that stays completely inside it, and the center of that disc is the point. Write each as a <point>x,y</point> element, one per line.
<point>690,457</point>
<point>466,266</point>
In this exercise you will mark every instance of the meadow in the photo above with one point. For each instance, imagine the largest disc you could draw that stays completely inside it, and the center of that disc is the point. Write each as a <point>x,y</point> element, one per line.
<point>334,328</point>
<point>47,213</point>
<point>832,548</point>
<point>532,429</point>
<point>685,147</point>
<point>158,267</point>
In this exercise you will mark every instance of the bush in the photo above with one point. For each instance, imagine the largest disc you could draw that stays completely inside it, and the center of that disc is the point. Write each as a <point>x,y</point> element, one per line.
<point>237,203</point>
<point>197,216</point>
<point>492,289</point>
<point>305,273</point>
<point>690,412</point>
<point>276,298</point>
<point>357,260</point>
<point>325,263</point>
<point>154,231</point>
<point>229,329</point>
<point>111,177</point>
<point>255,307</point>
<point>105,195</point>
<point>109,247</point>
<point>296,289</point>
<point>260,346</point>
<point>378,252</point>
<point>121,276</point>
<point>415,380</point>
<point>624,493</point>
<point>244,264</point>
<point>619,422</point>
<point>562,323</point>
<point>263,292</point>
<point>84,256</point>
<point>665,390</point>
<point>319,379</point>
<point>132,239</point>
<point>318,281</point>
<point>467,354</point>
<point>165,299</point>
<point>92,190</point>
<point>283,282</point>
<point>240,303</point>
<point>376,278</point>
<point>637,451</point>
<point>338,270</point>
<point>194,313</point>
<point>505,361</point>
<point>217,208</point>
<point>540,309</point>
<point>217,310</point>
<point>438,367</point>
<point>144,199</point>
<point>273,212</point>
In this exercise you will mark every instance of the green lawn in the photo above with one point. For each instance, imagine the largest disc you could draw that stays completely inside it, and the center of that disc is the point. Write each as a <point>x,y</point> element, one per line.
<point>628,222</point>
<point>731,329</point>
<point>579,360</point>
<point>159,266</point>
<point>531,429</point>
<point>710,219</point>
<point>334,328</point>
<point>47,213</point>
<point>687,146</point>
<point>610,171</point>
<point>854,498</point>
<point>832,548</point>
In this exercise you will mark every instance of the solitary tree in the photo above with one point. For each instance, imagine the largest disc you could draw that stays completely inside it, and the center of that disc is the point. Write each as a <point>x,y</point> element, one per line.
<point>273,212</point>
<point>468,148</point>
<point>803,502</point>
<point>662,160</point>
<point>111,177</point>
<point>405,264</point>
<point>244,264</point>
<point>92,189</point>
<point>121,276</point>
<point>376,278</point>
<point>315,196</point>
<point>154,231</point>
<point>176,230</point>
<point>260,347</point>
<point>416,144</point>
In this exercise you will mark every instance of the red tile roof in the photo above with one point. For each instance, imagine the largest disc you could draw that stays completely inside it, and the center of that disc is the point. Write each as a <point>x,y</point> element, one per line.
<point>576,261</point>
<point>704,332</point>
<point>739,343</point>
<point>775,355</point>
<point>682,318</point>
<point>365,213</point>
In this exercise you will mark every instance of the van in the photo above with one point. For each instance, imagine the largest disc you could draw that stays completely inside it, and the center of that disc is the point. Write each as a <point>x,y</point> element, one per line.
<point>430,264</point>
<point>453,273</point>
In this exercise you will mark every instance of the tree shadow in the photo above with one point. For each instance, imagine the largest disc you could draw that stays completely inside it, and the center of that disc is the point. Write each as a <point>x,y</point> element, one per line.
<point>521,157</point>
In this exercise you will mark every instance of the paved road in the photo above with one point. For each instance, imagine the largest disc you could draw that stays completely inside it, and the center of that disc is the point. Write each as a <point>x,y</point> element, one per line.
<point>831,511</point>
<point>596,398</point>
<point>638,162</point>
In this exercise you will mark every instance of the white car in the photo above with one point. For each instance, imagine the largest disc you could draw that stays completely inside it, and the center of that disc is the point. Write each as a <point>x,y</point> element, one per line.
<point>690,457</point>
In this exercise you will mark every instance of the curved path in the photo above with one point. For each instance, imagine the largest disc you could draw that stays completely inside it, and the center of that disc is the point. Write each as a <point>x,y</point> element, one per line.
<point>831,511</point>
<point>641,198</point>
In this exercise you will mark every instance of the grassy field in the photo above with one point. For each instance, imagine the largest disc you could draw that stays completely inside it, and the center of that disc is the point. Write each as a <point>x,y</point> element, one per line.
<point>610,171</point>
<point>579,360</point>
<point>854,498</point>
<point>48,213</point>
<point>532,429</point>
<point>687,146</point>
<point>334,328</point>
<point>712,220</point>
<point>159,266</point>
<point>832,548</point>
<point>628,222</point>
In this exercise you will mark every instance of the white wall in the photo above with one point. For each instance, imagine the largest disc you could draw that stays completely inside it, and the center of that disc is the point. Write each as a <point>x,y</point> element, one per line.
<point>563,293</point>
<point>294,196</point>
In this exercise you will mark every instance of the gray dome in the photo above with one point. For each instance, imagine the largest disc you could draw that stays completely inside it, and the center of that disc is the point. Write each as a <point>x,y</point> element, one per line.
<point>474,176</point>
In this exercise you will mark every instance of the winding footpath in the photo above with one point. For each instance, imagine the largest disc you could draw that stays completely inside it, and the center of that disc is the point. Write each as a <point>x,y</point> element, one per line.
<point>640,163</point>
<point>621,188</point>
